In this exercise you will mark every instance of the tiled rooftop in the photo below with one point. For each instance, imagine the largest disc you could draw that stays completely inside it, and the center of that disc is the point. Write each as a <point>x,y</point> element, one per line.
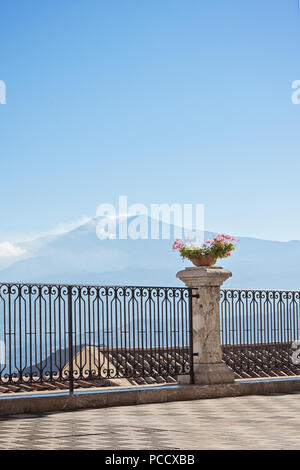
<point>157,367</point>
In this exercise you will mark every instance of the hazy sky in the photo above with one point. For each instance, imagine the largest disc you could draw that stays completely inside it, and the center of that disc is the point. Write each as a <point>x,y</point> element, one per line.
<point>163,101</point>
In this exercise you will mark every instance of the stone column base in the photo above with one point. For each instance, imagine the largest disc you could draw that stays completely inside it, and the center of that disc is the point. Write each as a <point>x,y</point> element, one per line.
<point>209,374</point>
<point>183,379</point>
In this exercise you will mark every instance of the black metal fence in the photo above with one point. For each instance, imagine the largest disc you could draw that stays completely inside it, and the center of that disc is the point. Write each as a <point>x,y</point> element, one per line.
<point>70,333</point>
<point>66,333</point>
<point>258,331</point>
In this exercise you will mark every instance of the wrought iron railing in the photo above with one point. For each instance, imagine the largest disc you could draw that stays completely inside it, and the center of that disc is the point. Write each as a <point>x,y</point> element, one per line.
<point>66,333</point>
<point>258,331</point>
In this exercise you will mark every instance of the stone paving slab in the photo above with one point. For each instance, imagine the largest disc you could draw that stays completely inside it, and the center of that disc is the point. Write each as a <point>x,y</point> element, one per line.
<point>248,422</point>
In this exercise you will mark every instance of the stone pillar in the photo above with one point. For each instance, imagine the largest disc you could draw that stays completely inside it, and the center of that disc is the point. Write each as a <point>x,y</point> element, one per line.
<point>208,365</point>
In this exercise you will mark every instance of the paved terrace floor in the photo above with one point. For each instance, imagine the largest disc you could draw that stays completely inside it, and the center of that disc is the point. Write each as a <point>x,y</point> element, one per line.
<point>250,422</point>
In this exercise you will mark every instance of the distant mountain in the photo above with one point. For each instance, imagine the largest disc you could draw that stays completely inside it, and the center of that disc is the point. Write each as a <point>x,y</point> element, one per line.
<point>80,257</point>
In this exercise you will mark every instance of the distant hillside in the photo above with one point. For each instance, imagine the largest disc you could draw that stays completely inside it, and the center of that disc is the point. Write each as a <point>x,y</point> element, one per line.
<point>80,257</point>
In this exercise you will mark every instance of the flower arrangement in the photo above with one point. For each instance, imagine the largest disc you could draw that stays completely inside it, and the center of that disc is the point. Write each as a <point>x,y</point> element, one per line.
<point>207,254</point>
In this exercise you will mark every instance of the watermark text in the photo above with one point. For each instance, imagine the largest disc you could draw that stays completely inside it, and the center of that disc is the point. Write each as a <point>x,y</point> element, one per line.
<point>296,94</point>
<point>157,222</point>
<point>2,92</point>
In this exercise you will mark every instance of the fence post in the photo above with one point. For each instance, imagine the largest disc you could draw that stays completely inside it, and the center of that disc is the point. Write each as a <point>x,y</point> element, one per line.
<point>191,348</point>
<point>206,282</point>
<point>71,353</point>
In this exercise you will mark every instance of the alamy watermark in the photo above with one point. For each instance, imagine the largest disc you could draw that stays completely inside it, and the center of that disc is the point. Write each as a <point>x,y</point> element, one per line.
<point>296,94</point>
<point>158,221</point>
<point>2,92</point>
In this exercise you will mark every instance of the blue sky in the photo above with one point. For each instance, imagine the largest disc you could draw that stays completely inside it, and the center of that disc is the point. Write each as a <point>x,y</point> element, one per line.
<point>162,101</point>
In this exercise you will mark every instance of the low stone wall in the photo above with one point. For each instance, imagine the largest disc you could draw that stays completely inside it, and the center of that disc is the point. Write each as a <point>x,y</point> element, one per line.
<point>50,402</point>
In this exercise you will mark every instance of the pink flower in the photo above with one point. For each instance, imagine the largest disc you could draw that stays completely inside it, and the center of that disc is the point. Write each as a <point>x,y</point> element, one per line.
<point>178,245</point>
<point>222,237</point>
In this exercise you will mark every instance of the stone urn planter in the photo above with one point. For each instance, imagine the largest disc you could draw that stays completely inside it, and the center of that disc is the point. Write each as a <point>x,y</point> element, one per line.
<point>204,260</point>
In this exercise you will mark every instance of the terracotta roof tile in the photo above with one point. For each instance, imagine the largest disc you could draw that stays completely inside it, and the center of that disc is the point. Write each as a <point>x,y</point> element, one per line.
<point>152,367</point>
